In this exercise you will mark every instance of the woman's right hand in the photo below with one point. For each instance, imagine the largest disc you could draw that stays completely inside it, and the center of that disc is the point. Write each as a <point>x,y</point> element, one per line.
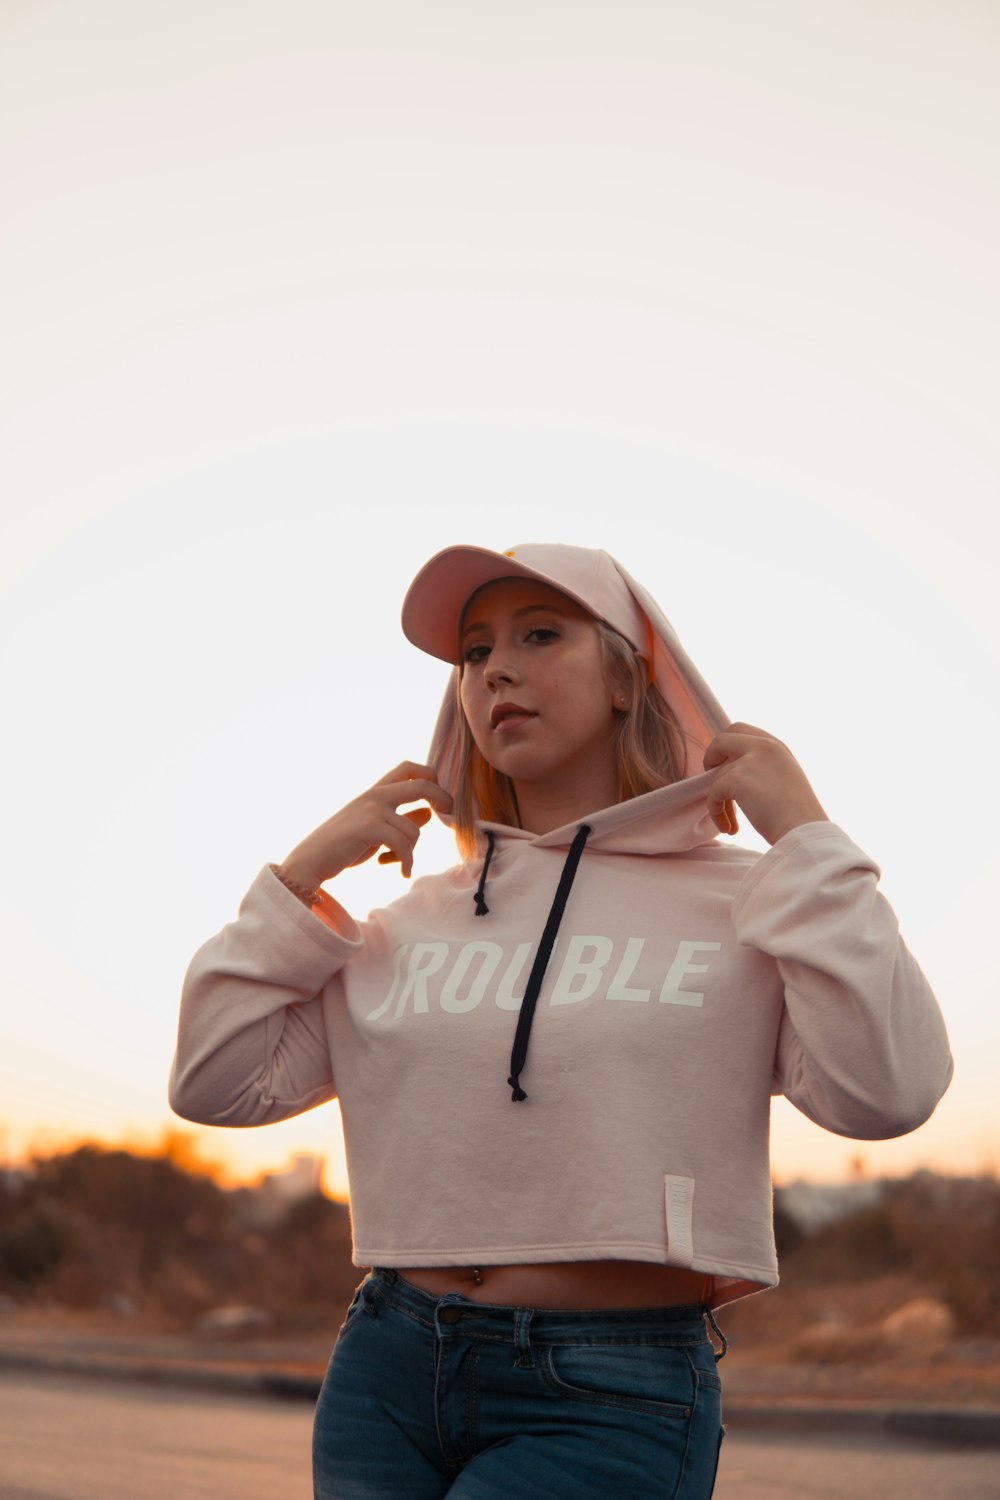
<point>354,833</point>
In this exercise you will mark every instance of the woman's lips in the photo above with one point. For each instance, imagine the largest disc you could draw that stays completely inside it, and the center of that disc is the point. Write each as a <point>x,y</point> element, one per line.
<point>511,719</point>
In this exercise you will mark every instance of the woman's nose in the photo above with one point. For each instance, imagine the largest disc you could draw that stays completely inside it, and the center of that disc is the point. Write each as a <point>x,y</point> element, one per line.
<point>499,669</point>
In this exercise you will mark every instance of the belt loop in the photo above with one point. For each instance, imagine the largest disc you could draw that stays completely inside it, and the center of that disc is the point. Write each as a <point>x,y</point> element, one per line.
<point>725,1342</point>
<point>525,1359</point>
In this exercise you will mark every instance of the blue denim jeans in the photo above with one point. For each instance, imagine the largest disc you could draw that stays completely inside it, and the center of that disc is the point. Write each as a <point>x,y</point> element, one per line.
<point>431,1396</point>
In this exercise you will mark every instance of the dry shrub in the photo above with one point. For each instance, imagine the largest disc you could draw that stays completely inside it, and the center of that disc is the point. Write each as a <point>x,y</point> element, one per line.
<point>943,1233</point>
<point>927,1237</point>
<point>93,1225</point>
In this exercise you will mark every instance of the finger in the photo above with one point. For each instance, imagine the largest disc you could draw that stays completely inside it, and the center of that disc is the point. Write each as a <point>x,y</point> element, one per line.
<point>724,816</point>
<point>737,740</point>
<point>408,770</point>
<point>400,838</point>
<point>418,790</point>
<point>728,746</point>
<point>752,729</point>
<point>419,816</point>
<point>721,804</point>
<point>363,857</point>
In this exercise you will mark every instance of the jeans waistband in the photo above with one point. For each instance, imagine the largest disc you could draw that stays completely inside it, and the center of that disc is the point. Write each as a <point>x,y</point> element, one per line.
<point>670,1324</point>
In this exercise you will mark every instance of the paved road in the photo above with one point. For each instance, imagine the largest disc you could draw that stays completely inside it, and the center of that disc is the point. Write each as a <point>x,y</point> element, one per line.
<point>69,1438</point>
<point>853,1467</point>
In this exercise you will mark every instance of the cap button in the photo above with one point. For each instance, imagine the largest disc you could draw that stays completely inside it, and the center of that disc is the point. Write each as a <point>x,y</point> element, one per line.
<point>449,1314</point>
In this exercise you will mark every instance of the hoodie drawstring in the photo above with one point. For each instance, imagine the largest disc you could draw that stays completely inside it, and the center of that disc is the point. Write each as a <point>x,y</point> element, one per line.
<point>482,910</point>
<point>527,1011</point>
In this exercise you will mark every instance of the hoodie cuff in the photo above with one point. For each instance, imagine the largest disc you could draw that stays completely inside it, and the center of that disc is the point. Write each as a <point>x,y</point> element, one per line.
<point>328,924</point>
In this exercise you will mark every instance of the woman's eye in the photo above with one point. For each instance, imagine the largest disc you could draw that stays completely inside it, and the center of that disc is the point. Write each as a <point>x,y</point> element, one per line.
<point>542,633</point>
<point>472,655</point>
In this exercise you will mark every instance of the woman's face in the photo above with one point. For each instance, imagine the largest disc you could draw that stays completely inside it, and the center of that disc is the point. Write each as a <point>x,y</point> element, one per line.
<point>535,693</point>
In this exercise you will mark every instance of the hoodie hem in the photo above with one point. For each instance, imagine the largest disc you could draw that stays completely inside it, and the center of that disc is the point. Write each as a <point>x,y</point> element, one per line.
<point>513,1255</point>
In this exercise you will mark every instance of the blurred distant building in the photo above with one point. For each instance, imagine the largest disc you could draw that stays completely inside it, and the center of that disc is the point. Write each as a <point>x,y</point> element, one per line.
<point>813,1204</point>
<point>265,1205</point>
<point>13,1178</point>
<point>302,1178</point>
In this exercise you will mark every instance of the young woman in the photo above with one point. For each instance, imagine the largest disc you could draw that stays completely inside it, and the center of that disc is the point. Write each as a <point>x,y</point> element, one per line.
<point>554,1061</point>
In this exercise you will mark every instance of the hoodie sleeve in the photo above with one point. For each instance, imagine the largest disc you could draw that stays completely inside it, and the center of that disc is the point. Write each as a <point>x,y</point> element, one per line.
<point>251,1041</point>
<point>862,1047</point>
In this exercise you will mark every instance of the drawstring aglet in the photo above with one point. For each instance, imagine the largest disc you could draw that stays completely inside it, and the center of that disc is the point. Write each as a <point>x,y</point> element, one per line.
<point>479,895</point>
<point>517,1093</point>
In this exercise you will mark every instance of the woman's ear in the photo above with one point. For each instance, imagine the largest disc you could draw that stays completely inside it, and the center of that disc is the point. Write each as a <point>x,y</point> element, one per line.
<point>621,689</point>
<point>620,674</point>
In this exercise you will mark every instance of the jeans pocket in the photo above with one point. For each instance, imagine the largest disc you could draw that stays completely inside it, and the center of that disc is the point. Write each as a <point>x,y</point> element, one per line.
<point>654,1378</point>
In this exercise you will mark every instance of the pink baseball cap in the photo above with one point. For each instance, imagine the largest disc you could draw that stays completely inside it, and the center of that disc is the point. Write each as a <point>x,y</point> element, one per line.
<point>436,599</point>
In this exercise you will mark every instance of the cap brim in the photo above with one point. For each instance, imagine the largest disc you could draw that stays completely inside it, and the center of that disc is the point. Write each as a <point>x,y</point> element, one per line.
<point>432,609</point>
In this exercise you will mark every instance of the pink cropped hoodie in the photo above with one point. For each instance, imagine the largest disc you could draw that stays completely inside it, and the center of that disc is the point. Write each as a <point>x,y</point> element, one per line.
<point>564,1047</point>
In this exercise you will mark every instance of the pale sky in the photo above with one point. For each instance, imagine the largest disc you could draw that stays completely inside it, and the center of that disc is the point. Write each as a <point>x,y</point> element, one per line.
<point>293,296</point>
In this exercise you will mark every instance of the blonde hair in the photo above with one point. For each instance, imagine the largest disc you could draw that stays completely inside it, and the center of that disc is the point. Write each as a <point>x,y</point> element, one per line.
<point>646,740</point>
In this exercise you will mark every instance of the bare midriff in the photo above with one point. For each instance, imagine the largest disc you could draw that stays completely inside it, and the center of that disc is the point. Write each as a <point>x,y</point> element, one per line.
<point>567,1285</point>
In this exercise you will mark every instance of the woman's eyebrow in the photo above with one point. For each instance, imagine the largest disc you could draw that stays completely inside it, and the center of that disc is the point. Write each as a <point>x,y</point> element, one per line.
<point>526,609</point>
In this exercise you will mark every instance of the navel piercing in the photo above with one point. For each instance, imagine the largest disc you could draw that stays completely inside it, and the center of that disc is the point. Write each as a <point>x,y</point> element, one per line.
<point>477,1276</point>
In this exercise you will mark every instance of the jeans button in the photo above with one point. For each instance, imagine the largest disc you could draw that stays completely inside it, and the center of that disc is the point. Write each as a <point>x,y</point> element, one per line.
<point>449,1314</point>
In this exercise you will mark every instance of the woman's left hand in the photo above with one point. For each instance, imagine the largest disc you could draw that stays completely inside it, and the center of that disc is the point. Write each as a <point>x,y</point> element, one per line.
<point>762,775</point>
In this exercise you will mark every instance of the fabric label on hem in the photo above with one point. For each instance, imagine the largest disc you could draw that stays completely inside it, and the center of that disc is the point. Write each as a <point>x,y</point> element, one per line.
<point>678,1198</point>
